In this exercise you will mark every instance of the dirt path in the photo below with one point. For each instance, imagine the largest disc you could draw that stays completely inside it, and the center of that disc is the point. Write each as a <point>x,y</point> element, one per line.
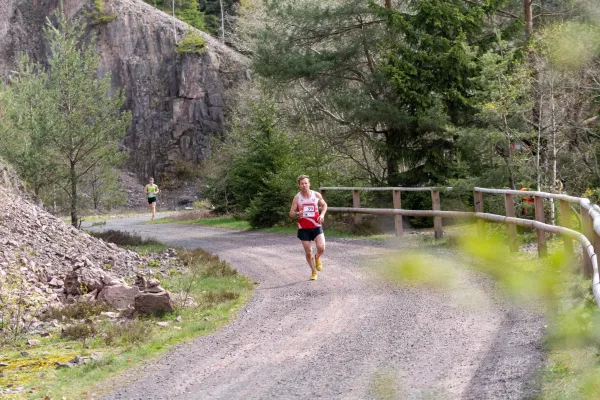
<point>348,335</point>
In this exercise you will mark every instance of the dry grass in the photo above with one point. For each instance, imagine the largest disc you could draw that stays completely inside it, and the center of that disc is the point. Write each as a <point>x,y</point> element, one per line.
<point>129,332</point>
<point>209,264</point>
<point>121,238</point>
<point>81,331</point>
<point>211,299</point>
<point>192,215</point>
<point>78,310</point>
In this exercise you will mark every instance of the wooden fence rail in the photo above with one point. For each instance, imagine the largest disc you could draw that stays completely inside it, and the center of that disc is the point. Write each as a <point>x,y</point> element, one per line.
<point>590,217</point>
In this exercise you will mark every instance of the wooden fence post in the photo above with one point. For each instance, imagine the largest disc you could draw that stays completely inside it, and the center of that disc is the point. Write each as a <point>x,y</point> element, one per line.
<point>437,221</point>
<point>478,203</point>
<point>356,204</point>
<point>509,205</point>
<point>326,220</point>
<point>541,235</point>
<point>398,218</point>
<point>587,229</point>
<point>565,221</point>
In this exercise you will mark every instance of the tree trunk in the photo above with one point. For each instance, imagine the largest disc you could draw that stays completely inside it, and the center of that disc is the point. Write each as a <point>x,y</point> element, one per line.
<point>174,29</point>
<point>554,149</point>
<point>388,3</point>
<point>73,196</point>
<point>528,15</point>
<point>538,166</point>
<point>536,111</point>
<point>222,22</point>
<point>391,138</point>
<point>509,166</point>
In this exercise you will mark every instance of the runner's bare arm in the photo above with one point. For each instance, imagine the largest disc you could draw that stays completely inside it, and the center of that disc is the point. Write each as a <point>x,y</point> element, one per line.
<point>146,189</point>
<point>294,210</point>
<point>323,207</point>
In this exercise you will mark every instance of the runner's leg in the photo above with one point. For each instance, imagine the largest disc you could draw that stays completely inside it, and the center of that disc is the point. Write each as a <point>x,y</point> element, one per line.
<point>309,258</point>
<point>320,242</point>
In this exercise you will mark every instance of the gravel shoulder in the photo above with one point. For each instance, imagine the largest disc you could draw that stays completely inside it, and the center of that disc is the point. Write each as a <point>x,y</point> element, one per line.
<point>348,335</point>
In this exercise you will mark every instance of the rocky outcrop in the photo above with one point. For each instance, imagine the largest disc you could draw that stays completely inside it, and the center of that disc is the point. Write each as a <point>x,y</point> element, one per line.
<point>178,102</point>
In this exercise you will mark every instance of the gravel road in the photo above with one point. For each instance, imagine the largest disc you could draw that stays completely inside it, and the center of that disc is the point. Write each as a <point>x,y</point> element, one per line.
<point>348,335</point>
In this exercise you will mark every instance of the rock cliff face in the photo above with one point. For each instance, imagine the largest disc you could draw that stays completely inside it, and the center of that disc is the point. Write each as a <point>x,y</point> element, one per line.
<point>178,101</point>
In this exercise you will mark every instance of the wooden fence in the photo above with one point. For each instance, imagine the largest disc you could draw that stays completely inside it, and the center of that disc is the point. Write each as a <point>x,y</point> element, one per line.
<point>590,219</point>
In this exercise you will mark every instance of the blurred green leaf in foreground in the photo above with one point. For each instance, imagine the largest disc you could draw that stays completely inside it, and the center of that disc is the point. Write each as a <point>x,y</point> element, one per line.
<point>552,285</point>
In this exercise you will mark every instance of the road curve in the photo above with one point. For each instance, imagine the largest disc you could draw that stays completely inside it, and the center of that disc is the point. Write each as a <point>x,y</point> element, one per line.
<point>348,335</point>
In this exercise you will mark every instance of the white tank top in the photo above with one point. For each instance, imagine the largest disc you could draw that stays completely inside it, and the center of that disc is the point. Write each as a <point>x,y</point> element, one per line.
<point>309,209</point>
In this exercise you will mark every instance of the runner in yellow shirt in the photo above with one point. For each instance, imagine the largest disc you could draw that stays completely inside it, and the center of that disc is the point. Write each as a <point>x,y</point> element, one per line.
<point>151,191</point>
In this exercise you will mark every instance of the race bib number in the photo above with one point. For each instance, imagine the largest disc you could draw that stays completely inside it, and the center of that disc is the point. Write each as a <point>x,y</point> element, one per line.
<point>308,211</point>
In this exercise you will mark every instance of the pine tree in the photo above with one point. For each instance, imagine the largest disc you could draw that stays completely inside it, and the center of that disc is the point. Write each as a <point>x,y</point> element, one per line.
<point>78,124</point>
<point>391,79</point>
<point>24,121</point>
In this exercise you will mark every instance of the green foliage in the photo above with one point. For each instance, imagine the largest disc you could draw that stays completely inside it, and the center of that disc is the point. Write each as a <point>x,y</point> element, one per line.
<point>573,319</point>
<point>503,103</point>
<point>17,307</point>
<point>191,286</point>
<point>187,11</point>
<point>392,84</point>
<point>212,14</point>
<point>267,152</point>
<point>572,45</point>
<point>366,227</point>
<point>201,14</point>
<point>101,188</point>
<point>24,125</point>
<point>73,127</point>
<point>211,299</point>
<point>271,205</point>
<point>210,265</point>
<point>592,194</point>
<point>77,310</point>
<point>185,170</point>
<point>125,343</point>
<point>131,332</point>
<point>261,174</point>
<point>99,15</point>
<point>80,331</point>
<point>432,60</point>
<point>192,43</point>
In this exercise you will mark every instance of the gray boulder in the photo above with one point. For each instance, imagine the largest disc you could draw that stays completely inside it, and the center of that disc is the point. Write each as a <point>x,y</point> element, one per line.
<point>154,303</point>
<point>119,296</point>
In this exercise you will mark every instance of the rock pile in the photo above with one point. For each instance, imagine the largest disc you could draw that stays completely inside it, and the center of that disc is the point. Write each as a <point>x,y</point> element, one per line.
<point>48,263</point>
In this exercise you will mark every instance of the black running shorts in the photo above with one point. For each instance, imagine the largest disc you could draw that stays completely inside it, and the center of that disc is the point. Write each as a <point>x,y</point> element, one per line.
<point>309,234</point>
<point>151,200</point>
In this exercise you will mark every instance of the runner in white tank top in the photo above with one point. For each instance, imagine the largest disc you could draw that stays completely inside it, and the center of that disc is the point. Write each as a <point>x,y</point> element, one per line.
<point>309,211</point>
<point>305,207</point>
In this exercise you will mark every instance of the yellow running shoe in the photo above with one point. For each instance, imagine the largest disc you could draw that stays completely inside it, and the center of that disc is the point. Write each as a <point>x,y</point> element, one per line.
<point>318,264</point>
<point>313,277</point>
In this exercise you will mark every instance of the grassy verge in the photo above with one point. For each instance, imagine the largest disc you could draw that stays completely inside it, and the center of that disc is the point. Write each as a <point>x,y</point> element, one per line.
<point>211,291</point>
